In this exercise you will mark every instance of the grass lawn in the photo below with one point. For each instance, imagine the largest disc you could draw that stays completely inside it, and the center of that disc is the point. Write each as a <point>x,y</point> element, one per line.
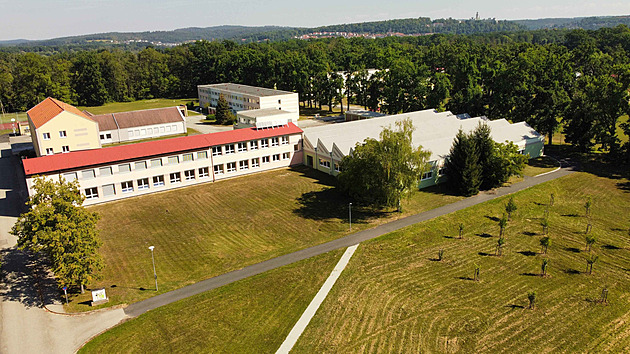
<point>258,319</point>
<point>210,229</point>
<point>136,105</point>
<point>394,296</point>
<point>540,165</point>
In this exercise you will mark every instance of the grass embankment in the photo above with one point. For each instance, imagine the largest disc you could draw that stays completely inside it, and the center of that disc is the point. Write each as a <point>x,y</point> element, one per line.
<point>115,107</point>
<point>261,310</point>
<point>210,229</point>
<point>394,296</point>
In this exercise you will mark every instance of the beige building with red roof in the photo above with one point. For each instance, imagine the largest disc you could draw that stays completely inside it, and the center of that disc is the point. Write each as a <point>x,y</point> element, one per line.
<point>57,127</point>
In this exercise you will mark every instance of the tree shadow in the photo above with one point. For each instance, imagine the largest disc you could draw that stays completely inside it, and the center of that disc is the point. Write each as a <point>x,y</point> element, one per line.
<point>527,253</point>
<point>451,237</point>
<point>484,235</point>
<point>441,189</point>
<point>572,271</point>
<point>573,215</point>
<point>493,218</point>
<point>465,278</point>
<point>540,204</point>
<point>27,279</point>
<point>572,249</point>
<point>529,233</point>
<point>611,247</point>
<point>617,229</point>
<point>514,306</point>
<point>624,186</point>
<point>531,274</point>
<point>329,204</point>
<point>485,254</point>
<point>543,162</point>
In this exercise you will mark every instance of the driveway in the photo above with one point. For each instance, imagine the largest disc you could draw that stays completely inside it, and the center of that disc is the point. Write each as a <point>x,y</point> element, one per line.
<point>25,326</point>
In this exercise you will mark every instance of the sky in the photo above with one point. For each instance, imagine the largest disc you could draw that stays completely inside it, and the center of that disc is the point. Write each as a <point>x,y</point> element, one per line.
<point>43,19</point>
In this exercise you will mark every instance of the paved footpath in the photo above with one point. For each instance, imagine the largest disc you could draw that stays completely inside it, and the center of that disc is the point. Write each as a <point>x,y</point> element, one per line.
<point>141,307</point>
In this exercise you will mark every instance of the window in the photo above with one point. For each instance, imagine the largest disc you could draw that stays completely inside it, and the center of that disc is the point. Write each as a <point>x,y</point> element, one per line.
<point>442,171</point>
<point>276,157</point>
<point>255,162</point>
<point>105,171</point>
<point>143,183</point>
<point>337,168</point>
<point>242,147</point>
<point>275,141</point>
<point>150,131</point>
<point>243,165</point>
<point>49,151</point>
<point>286,156</point>
<point>88,174</point>
<point>202,155</point>
<point>143,132</point>
<point>264,143</point>
<point>427,175</point>
<point>176,177</point>
<point>216,151</point>
<point>279,101</point>
<point>91,193</point>
<point>173,160</point>
<point>157,181</point>
<point>229,149</point>
<point>521,151</point>
<point>63,134</point>
<point>189,175</point>
<point>124,168</point>
<point>161,129</point>
<point>231,166</point>
<point>218,169</point>
<point>130,132</point>
<point>253,145</point>
<point>140,165</point>
<point>102,136</point>
<point>127,187</point>
<point>70,176</point>
<point>265,159</point>
<point>296,147</point>
<point>324,163</point>
<point>203,172</point>
<point>108,135</point>
<point>65,148</point>
<point>109,190</point>
<point>46,136</point>
<point>285,140</point>
<point>187,157</point>
<point>156,163</point>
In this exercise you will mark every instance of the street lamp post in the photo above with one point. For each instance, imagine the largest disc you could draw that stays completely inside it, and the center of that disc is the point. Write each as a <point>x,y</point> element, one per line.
<point>154,273</point>
<point>350,215</point>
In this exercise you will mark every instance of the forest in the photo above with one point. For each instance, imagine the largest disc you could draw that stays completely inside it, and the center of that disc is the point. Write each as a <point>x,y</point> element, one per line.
<point>576,79</point>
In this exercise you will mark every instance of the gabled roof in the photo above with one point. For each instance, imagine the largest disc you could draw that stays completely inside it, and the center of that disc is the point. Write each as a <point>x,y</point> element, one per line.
<point>110,155</point>
<point>48,109</point>
<point>122,120</point>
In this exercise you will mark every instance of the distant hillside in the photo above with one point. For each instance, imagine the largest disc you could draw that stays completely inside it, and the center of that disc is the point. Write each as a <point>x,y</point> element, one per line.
<point>589,23</point>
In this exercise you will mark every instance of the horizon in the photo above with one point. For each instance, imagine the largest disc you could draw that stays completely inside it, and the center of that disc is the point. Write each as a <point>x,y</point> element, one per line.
<point>68,18</point>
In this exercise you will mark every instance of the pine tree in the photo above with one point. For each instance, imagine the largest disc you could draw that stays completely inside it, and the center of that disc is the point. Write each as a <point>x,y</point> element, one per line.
<point>462,166</point>
<point>485,149</point>
<point>223,113</point>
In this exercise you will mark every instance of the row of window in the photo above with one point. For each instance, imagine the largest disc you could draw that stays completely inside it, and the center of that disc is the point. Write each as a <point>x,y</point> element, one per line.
<point>64,149</point>
<point>62,134</point>
<point>176,177</point>
<point>249,146</point>
<point>150,131</point>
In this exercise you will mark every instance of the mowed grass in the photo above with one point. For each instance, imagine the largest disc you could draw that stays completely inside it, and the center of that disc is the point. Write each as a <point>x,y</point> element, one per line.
<point>540,165</point>
<point>394,296</point>
<point>261,310</point>
<point>210,229</point>
<point>136,105</point>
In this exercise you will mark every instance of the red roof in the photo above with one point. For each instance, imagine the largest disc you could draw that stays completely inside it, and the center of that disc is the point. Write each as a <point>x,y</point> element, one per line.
<point>49,109</point>
<point>106,156</point>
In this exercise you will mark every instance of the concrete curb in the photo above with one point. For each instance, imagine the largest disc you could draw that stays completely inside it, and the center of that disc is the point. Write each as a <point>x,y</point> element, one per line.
<point>86,313</point>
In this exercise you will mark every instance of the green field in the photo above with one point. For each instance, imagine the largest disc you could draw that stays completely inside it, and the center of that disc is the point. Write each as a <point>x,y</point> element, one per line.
<point>394,296</point>
<point>206,230</point>
<point>136,105</point>
<point>260,315</point>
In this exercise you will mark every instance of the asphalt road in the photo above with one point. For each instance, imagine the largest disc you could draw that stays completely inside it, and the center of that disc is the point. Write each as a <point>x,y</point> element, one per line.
<point>141,307</point>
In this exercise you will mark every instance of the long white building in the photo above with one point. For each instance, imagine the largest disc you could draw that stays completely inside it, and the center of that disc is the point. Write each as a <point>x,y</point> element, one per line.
<point>244,97</point>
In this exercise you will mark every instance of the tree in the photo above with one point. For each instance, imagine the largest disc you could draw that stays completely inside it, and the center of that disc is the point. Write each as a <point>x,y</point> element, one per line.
<point>590,241</point>
<point>461,230</point>
<point>462,165</point>
<point>531,297</point>
<point>500,244</point>
<point>383,172</point>
<point>545,242</point>
<point>543,267</point>
<point>590,261</point>
<point>477,272</point>
<point>502,224</point>
<point>552,199</point>
<point>57,226</point>
<point>510,207</point>
<point>223,113</point>
<point>486,155</point>
<point>440,255</point>
<point>587,206</point>
<point>545,225</point>
<point>89,83</point>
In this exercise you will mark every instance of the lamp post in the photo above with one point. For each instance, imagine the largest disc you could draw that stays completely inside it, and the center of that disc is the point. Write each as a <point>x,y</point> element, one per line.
<point>154,273</point>
<point>350,215</point>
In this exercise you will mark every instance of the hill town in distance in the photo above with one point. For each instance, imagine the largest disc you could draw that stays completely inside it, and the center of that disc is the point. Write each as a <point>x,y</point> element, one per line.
<point>413,185</point>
